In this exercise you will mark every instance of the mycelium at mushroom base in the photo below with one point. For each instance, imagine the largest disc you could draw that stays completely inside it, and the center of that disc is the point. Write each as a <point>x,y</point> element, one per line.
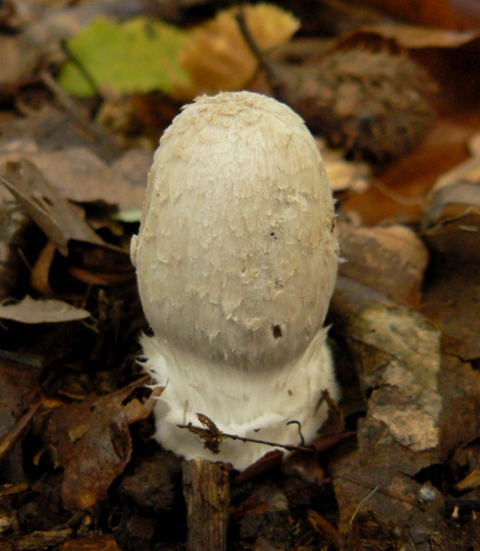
<point>236,263</point>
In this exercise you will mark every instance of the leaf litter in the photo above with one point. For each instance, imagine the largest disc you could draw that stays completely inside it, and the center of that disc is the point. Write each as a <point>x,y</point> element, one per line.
<point>78,466</point>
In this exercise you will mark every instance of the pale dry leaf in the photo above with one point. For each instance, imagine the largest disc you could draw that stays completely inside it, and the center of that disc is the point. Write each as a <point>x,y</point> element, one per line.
<point>345,175</point>
<point>416,37</point>
<point>33,311</point>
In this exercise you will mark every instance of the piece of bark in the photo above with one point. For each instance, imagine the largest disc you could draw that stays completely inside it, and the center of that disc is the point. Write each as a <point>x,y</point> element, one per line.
<point>207,494</point>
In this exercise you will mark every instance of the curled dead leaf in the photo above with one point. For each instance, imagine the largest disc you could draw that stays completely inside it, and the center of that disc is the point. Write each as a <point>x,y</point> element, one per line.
<point>451,223</point>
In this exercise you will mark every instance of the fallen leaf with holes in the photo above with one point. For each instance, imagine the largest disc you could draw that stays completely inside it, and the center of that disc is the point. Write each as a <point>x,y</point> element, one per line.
<point>91,441</point>
<point>30,310</point>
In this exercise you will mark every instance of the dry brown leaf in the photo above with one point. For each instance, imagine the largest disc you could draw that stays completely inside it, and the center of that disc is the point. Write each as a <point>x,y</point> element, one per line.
<point>217,57</point>
<point>452,300</point>
<point>322,526</point>
<point>40,273</point>
<point>152,483</point>
<point>391,260</point>
<point>362,488</point>
<point>92,443</point>
<point>102,542</point>
<point>451,224</point>
<point>470,482</point>
<point>73,163</point>
<point>48,130</point>
<point>466,460</point>
<point>397,355</point>
<point>82,176</point>
<point>46,206</point>
<point>19,382</point>
<point>434,13</point>
<point>43,539</point>
<point>459,423</point>
<point>30,310</point>
<point>415,37</point>
<point>399,192</point>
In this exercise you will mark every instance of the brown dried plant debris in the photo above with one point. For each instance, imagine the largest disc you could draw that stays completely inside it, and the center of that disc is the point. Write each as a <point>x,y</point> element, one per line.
<point>91,441</point>
<point>46,206</point>
<point>391,259</point>
<point>451,222</point>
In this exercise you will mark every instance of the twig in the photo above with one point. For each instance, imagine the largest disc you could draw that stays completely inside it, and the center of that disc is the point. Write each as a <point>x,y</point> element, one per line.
<point>254,48</point>
<point>11,436</point>
<point>207,434</point>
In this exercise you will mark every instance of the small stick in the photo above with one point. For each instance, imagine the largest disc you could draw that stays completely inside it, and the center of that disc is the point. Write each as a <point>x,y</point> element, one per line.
<point>12,435</point>
<point>206,489</point>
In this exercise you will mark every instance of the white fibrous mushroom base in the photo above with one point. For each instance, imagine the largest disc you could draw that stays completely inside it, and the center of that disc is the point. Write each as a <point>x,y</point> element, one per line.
<point>236,263</point>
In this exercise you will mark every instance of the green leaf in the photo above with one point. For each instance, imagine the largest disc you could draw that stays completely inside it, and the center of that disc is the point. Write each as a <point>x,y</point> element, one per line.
<point>140,55</point>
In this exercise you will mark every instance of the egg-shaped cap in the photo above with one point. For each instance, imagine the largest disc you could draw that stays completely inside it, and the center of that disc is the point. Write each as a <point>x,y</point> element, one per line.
<point>237,251</point>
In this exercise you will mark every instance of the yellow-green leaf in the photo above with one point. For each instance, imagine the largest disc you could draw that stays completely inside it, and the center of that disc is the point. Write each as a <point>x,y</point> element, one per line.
<point>140,55</point>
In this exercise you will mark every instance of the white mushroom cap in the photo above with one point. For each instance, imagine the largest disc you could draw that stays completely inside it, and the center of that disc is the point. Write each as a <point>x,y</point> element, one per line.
<point>236,263</point>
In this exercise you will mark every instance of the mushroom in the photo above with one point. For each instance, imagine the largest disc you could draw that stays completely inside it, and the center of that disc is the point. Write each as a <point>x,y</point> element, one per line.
<point>236,262</point>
